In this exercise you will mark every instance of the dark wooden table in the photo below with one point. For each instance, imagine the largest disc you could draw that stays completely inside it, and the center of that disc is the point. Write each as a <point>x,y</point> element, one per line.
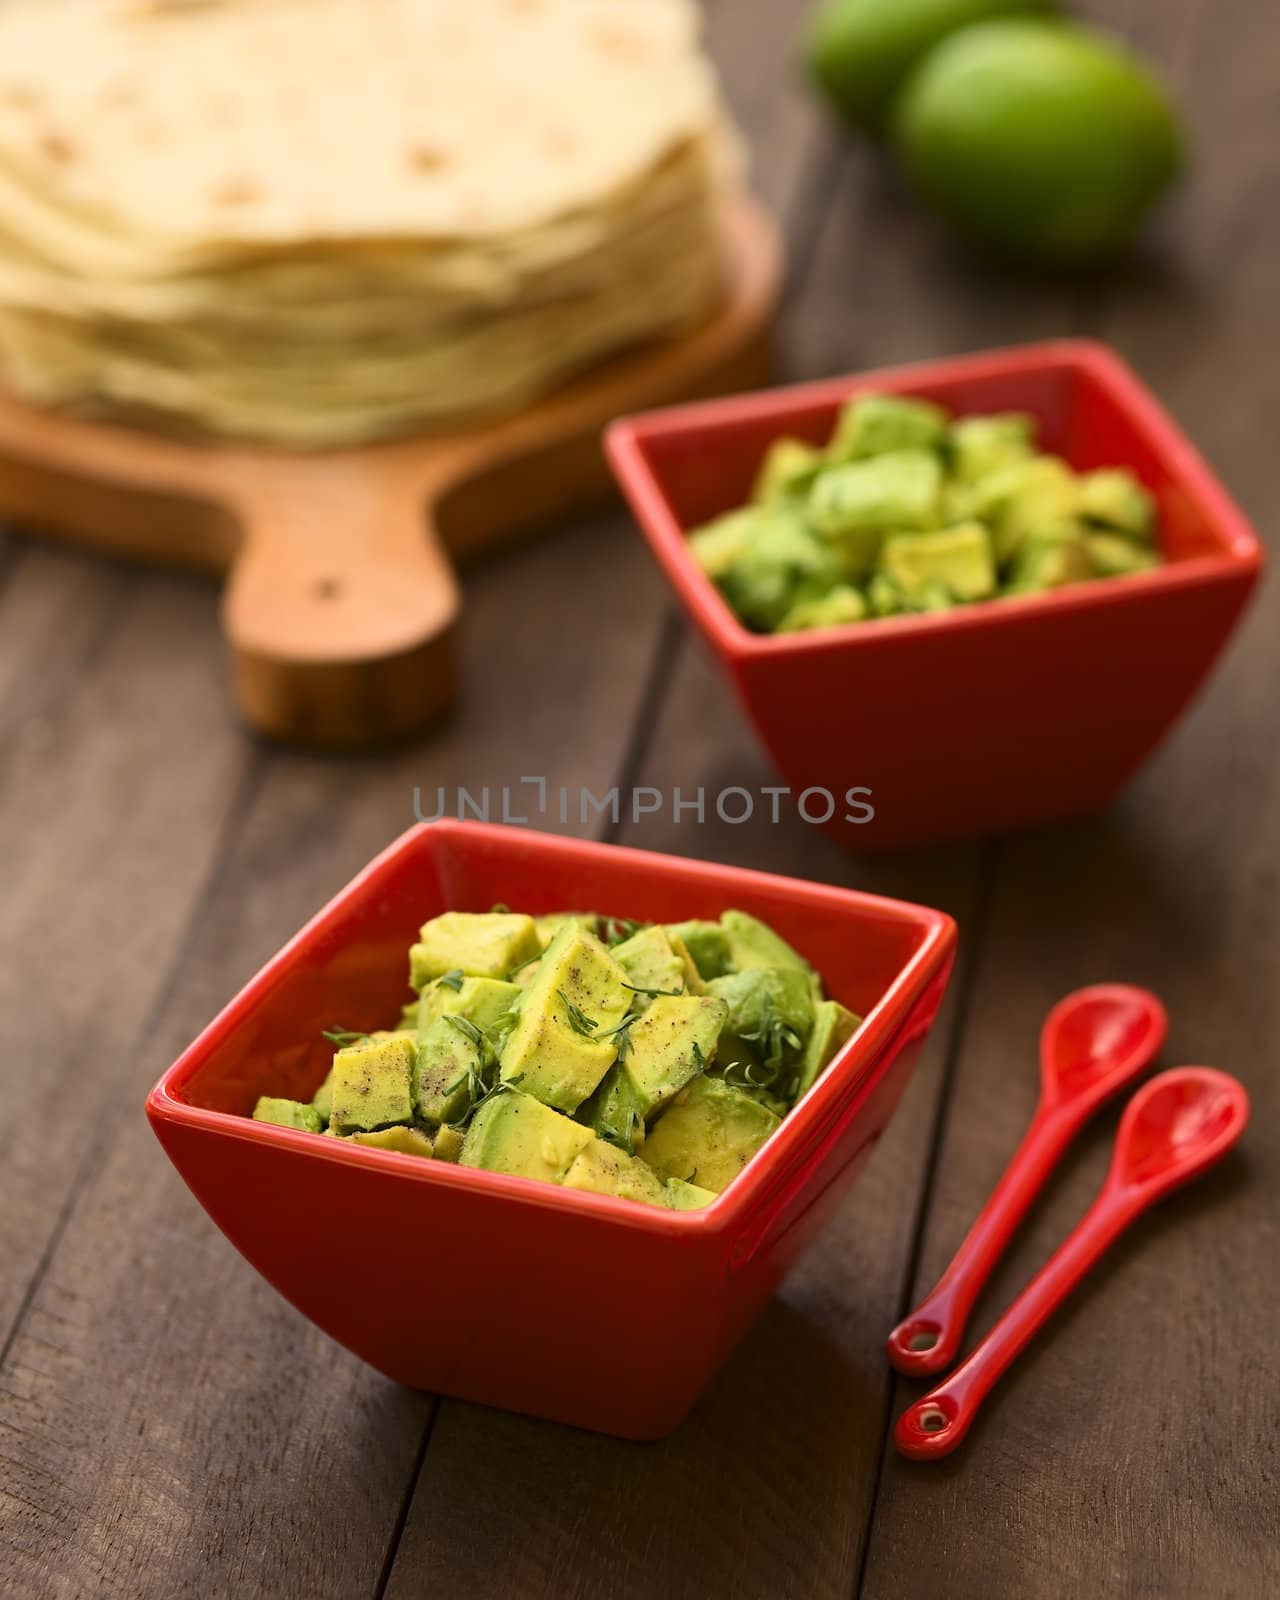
<point>169,1427</point>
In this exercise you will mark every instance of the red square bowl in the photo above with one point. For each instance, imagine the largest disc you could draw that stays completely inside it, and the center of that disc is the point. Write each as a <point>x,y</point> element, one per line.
<point>504,1290</point>
<point>991,716</point>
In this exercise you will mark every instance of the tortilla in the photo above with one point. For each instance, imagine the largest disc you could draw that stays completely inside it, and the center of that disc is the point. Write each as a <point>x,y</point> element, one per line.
<point>317,221</point>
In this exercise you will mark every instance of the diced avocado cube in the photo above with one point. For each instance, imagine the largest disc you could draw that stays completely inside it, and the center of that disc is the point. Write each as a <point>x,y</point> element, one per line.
<point>670,1045</point>
<point>551,924</point>
<point>515,1133</point>
<point>767,998</point>
<point>649,959</point>
<point>708,1135</point>
<point>484,1001</point>
<point>981,445</point>
<point>682,1196</point>
<point>932,595</point>
<point>834,609</point>
<point>1030,499</point>
<point>448,1143</point>
<point>579,992</point>
<point>601,1169</point>
<point>408,1141</point>
<point>707,943</point>
<point>753,943</point>
<point>718,545</point>
<point>1113,556</point>
<point>616,1110</point>
<point>480,945</point>
<point>408,1022</point>
<point>287,1114</point>
<point>833,1027</point>
<point>373,1084</point>
<point>959,558</point>
<point>449,1064</point>
<point>1049,562</point>
<point>1115,500</point>
<point>322,1100</point>
<point>875,424</point>
<point>884,596</point>
<point>784,561</point>
<point>854,506</point>
<point>788,469</point>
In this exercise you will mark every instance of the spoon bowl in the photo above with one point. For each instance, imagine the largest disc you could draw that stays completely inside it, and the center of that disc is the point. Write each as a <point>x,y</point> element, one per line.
<point>1098,1039</point>
<point>1179,1125</point>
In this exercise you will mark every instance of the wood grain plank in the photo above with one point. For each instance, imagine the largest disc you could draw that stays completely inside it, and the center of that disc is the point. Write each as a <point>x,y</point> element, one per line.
<point>1132,1450</point>
<point>102,683</point>
<point>242,1452</point>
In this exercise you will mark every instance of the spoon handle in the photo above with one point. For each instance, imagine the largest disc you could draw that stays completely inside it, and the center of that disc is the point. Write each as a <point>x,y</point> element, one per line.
<point>936,1424</point>
<point>927,1339</point>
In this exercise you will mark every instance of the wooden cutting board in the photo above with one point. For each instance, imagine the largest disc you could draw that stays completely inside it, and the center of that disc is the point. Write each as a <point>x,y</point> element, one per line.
<point>341,605</point>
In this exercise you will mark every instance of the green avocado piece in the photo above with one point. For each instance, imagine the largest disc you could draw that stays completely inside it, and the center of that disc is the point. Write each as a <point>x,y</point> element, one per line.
<point>515,1133</point>
<point>616,1110</point>
<point>753,943</point>
<point>840,605</point>
<point>1116,501</point>
<point>764,999</point>
<point>654,959</point>
<point>788,469</point>
<point>1113,555</point>
<point>979,446</point>
<point>322,1099</point>
<point>579,992</point>
<point>670,1045</point>
<point>784,561</point>
<point>601,1169</point>
<point>884,596</point>
<point>408,1141</point>
<point>960,559</point>
<point>932,595</point>
<point>449,1063</point>
<point>875,424</point>
<point>708,1135</point>
<point>448,1143</point>
<point>707,944</point>
<point>1029,499</point>
<point>484,1001</point>
<point>682,1196</point>
<point>408,1022</point>
<point>551,924</point>
<point>1049,561</point>
<point>717,545</point>
<point>287,1114</point>
<point>855,505</point>
<point>373,1084</point>
<point>833,1027</point>
<point>480,945</point>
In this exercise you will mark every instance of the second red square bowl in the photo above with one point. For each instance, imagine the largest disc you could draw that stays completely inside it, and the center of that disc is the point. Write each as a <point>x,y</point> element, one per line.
<point>992,716</point>
<point>578,1307</point>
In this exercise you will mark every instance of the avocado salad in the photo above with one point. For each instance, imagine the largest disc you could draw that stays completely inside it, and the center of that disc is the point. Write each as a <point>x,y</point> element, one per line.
<point>908,510</point>
<point>647,1061</point>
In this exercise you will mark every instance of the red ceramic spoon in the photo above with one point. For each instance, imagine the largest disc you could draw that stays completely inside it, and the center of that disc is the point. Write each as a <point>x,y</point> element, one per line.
<point>1173,1129</point>
<point>1093,1044</point>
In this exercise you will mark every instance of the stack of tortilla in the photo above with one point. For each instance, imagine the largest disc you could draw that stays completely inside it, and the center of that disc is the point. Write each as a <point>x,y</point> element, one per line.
<point>315,222</point>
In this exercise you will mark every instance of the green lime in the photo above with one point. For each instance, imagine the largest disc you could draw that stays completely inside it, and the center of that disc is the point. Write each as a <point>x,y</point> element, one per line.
<point>1037,140</point>
<point>861,51</point>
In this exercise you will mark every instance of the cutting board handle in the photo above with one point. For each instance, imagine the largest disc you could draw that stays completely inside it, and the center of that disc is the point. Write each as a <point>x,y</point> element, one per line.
<point>341,608</point>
